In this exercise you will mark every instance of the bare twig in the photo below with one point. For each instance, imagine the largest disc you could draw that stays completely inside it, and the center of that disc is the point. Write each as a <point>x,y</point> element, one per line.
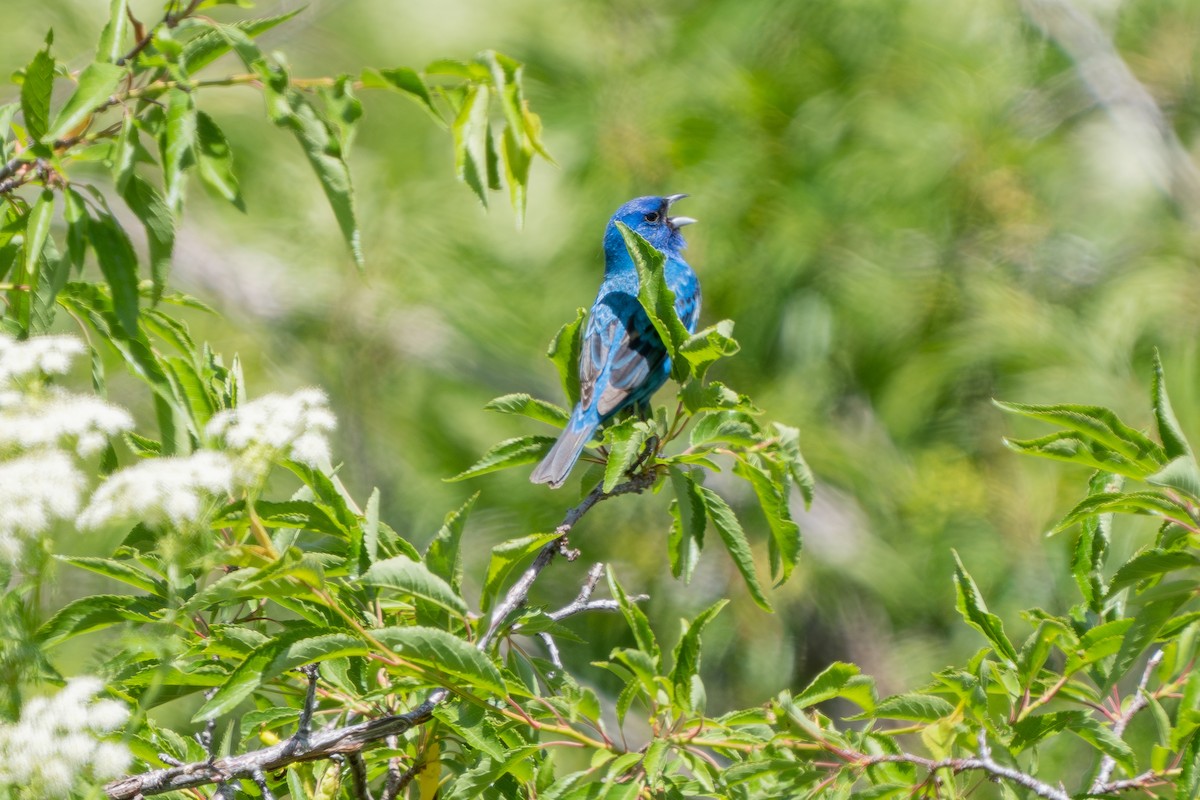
<point>982,762</point>
<point>1140,700</point>
<point>300,739</point>
<point>358,770</point>
<point>306,745</point>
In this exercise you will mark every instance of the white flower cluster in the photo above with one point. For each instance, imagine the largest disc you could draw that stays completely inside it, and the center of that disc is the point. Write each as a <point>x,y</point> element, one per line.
<point>177,490</point>
<point>57,741</point>
<point>41,428</point>
<point>294,426</point>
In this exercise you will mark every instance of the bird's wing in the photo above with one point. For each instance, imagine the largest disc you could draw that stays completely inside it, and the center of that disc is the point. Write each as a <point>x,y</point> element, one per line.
<point>620,351</point>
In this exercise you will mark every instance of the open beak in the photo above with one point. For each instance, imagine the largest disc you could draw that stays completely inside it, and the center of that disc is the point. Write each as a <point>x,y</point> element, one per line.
<point>677,222</point>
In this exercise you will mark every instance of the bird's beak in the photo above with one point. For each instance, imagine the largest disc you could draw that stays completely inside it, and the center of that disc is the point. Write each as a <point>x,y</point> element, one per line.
<point>677,222</point>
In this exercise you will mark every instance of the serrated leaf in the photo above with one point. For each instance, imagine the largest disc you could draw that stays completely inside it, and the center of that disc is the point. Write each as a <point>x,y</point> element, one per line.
<point>638,623</point>
<point>708,346</point>
<point>470,130</point>
<point>687,530</point>
<point>1150,503</point>
<point>1180,474</point>
<point>1175,444</point>
<point>471,783</point>
<point>517,158</point>
<point>1152,564</point>
<point>444,556</point>
<point>202,50</point>
<point>97,83</point>
<point>155,215</point>
<point>625,442</point>
<point>294,648</point>
<point>37,232</point>
<point>1148,621</point>
<point>505,558</point>
<point>915,707</point>
<point>413,578</point>
<point>290,109</point>
<point>407,82</point>
<point>93,613</point>
<point>730,530</point>
<point>112,38</point>
<point>564,352</point>
<point>1103,739</point>
<point>444,653</point>
<point>509,453</point>
<point>118,263</point>
<point>827,685</point>
<point>528,406</point>
<point>973,609</point>
<point>1099,424</point>
<point>1075,448</point>
<point>657,299</point>
<point>36,89</point>
<point>117,570</point>
<point>686,663</point>
<point>785,533</point>
<point>214,160</point>
<point>1091,548</point>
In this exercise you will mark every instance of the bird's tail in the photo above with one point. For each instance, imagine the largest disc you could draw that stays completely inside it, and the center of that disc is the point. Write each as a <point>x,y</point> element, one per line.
<point>557,464</point>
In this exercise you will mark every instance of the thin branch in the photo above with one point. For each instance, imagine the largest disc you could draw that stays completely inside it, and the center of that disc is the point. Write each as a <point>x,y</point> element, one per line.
<point>306,745</point>
<point>1140,700</point>
<point>300,739</point>
<point>358,770</point>
<point>982,762</point>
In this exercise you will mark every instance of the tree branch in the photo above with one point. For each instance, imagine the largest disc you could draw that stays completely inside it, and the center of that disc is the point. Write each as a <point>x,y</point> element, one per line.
<point>1140,700</point>
<point>306,745</point>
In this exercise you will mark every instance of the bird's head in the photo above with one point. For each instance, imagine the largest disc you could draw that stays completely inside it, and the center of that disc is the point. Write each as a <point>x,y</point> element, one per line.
<point>650,217</point>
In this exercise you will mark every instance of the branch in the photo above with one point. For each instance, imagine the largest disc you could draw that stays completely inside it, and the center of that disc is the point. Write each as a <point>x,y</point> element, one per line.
<point>982,762</point>
<point>305,745</point>
<point>1140,700</point>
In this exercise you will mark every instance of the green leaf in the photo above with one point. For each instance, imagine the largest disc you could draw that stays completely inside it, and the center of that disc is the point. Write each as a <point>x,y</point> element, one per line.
<point>214,160</point>
<point>112,38</point>
<point>1148,621</point>
<point>772,497</point>
<point>1180,474</point>
<point>117,570</point>
<point>445,654</point>
<point>155,215</point>
<point>1188,782</point>
<point>733,427</point>
<point>290,109</point>
<point>687,530</point>
<point>1103,739</point>
<point>301,645</point>
<point>789,449</point>
<point>827,685</point>
<point>118,262</point>
<point>470,141</point>
<point>177,145</point>
<point>413,578</point>
<point>37,232</point>
<point>36,89</point>
<point>1099,424</point>
<point>472,783</point>
<point>1035,728</point>
<point>1072,447</point>
<point>531,407</point>
<point>564,352</point>
<point>1175,444</point>
<point>517,158</point>
<point>1091,548</point>
<point>1152,564</point>
<point>625,442</point>
<point>730,530</point>
<point>407,82</point>
<point>914,707</point>
<point>686,662</point>
<point>509,453</point>
<point>444,557</point>
<point>708,346</point>
<point>1150,503</point>
<point>643,634</point>
<point>97,83</point>
<point>973,609</point>
<point>202,50</point>
<point>505,558</point>
<point>93,613</point>
<point>657,299</point>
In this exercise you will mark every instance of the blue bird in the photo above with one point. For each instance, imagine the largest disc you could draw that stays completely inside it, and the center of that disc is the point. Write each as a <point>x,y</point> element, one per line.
<point>623,361</point>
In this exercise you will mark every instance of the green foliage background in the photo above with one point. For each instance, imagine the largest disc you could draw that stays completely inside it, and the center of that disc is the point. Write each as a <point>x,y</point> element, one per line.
<point>909,208</point>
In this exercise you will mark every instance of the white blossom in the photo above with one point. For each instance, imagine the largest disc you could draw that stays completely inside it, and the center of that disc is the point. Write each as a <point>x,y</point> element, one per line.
<point>294,426</point>
<point>48,355</point>
<point>83,422</point>
<point>176,489</point>
<point>56,741</point>
<point>35,490</point>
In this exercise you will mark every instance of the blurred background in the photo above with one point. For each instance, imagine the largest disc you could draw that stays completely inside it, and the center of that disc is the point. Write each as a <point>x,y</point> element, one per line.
<point>909,207</point>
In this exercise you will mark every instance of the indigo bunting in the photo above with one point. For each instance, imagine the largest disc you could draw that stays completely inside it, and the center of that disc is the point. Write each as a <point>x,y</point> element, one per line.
<point>623,361</point>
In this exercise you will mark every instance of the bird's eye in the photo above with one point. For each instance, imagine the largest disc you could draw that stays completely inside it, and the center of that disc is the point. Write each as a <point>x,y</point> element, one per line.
<point>653,216</point>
